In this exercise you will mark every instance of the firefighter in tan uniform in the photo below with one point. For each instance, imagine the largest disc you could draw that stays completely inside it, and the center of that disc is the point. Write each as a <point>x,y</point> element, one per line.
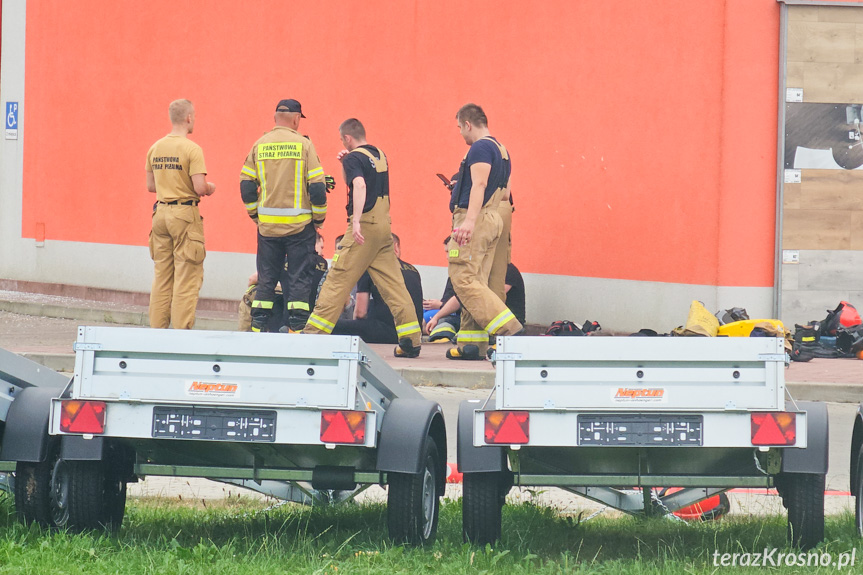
<point>503,249</point>
<point>177,175</point>
<point>477,226</point>
<point>282,185</point>
<point>367,244</point>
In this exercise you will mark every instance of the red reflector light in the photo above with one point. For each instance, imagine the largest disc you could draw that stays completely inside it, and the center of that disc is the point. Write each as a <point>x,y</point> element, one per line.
<point>774,428</point>
<point>82,416</point>
<point>342,426</point>
<point>510,427</point>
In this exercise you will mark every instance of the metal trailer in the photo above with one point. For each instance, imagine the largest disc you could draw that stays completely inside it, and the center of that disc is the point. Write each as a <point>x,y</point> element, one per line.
<point>304,418</point>
<point>857,468</point>
<point>20,376</point>
<point>613,419</point>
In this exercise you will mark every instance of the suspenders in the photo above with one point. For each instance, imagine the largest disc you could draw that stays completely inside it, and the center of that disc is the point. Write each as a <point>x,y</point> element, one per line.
<point>380,164</point>
<point>504,156</point>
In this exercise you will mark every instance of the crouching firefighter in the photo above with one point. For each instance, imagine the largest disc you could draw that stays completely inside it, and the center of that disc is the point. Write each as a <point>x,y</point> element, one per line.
<point>282,185</point>
<point>367,244</point>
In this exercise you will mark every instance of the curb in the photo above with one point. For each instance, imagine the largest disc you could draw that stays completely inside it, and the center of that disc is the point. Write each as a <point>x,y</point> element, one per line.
<point>833,392</point>
<point>122,317</point>
<point>470,379</point>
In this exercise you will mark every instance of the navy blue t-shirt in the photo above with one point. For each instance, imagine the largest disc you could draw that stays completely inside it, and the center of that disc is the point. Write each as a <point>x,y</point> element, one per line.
<point>483,151</point>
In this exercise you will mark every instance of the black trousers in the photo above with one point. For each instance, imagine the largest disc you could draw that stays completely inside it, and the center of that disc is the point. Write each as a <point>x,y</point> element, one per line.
<point>289,260</point>
<point>369,330</point>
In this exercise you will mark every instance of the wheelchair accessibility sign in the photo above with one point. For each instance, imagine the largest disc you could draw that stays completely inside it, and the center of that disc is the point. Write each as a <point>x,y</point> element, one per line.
<point>11,120</point>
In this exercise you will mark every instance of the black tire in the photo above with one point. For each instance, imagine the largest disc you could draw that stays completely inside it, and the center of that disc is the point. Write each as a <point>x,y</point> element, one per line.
<point>113,504</point>
<point>803,496</point>
<point>413,501</point>
<point>80,486</point>
<point>857,490</point>
<point>33,487</point>
<point>482,503</point>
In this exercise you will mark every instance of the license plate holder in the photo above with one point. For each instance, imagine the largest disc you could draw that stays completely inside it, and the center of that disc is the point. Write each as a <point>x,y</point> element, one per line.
<point>184,422</point>
<point>627,429</point>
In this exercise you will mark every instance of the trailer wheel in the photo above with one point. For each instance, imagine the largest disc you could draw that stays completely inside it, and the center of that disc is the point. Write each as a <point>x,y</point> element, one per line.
<point>482,503</point>
<point>858,493</point>
<point>81,486</point>
<point>33,488</point>
<point>113,504</point>
<point>804,498</point>
<point>413,501</point>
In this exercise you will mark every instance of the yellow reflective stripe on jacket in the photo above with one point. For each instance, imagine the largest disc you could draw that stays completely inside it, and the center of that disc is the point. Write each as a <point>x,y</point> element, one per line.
<point>408,328</point>
<point>247,171</point>
<point>262,304</point>
<point>298,305</point>
<point>502,318</point>
<point>472,336</point>
<point>298,184</point>
<point>320,323</point>
<point>315,172</point>
<point>252,206</point>
<point>265,219</point>
<point>262,181</point>
<point>318,210</point>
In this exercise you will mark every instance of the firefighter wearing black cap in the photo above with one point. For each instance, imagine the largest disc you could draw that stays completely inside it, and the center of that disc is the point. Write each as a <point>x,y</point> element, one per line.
<point>482,181</point>
<point>282,185</point>
<point>367,244</point>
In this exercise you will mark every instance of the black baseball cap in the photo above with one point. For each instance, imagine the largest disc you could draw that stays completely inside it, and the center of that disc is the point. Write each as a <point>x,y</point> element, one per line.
<point>290,105</point>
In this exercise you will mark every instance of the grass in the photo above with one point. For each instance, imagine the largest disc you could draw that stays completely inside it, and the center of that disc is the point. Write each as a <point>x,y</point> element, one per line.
<point>235,536</point>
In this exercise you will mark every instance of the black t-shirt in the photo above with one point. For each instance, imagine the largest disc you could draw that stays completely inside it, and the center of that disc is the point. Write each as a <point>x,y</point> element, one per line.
<point>448,292</point>
<point>515,295</point>
<point>378,308</point>
<point>356,164</point>
<point>483,151</point>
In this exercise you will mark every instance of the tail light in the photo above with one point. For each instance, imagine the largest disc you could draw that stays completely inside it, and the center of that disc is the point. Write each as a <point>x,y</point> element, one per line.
<point>342,426</point>
<point>82,416</point>
<point>509,427</point>
<point>774,428</point>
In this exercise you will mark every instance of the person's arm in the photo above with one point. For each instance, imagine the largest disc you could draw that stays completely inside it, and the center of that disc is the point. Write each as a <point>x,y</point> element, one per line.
<point>479,173</point>
<point>202,186</point>
<point>151,182</point>
<point>198,172</point>
<point>361,308</point>
<point>451,306</point>
<point>317,187</point>
<point>432,304</point>
<point>359,202</point>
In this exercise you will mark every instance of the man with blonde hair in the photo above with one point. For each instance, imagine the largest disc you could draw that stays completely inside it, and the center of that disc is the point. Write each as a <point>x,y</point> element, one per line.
<point>177,175</point>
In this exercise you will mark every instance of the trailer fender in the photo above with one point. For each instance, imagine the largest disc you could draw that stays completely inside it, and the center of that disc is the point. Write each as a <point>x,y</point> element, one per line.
<point>813,459</point>
<point>406,424</point>
<point>25,437</point>
<point>470,458</point>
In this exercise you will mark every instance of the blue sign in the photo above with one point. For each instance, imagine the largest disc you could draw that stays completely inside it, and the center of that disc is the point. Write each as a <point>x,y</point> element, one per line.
<point>11,115</point>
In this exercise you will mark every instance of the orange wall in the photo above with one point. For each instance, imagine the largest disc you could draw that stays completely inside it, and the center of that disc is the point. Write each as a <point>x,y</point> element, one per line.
<point>643,134</point>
